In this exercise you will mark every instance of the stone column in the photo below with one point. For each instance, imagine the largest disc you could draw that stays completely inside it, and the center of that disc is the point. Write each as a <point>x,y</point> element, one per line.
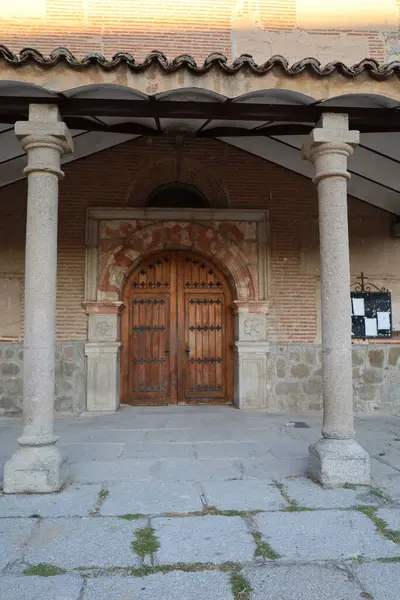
<point>37,465</point>
<point>336,458</point>
<point>251,354</point>
<point>102,350</point>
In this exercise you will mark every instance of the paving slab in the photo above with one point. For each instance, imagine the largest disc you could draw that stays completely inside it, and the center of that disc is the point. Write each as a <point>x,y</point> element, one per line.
<point>301,582</point>
<point>392,518</point>
<point>381,580</point>
<point>381,468</point>
<point>391,485</point>
<point>152,498</point>
<point>250,494</point>
<point>275,468</point>
<point>307,493</point>
<point>71,502</point>
<point>165,436</point>
<point>391,456</point>
<point>117,470</point>
<point>323,535</point>
<point>178,584</point>
<point>229,432</point>
<point>231,449</point>
<point>290,448</point>
<point>190,469</point>
<point>207,539</point>
<point>104,436</point>
<point>83,542</point>
<point>92,452</point>
<point>158,450</point>
<point>14,533</point>
<point>23,587</point>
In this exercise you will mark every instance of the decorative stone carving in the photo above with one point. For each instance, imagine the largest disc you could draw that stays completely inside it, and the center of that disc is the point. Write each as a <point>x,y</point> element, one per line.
<point>252,327</point>
<point>102,327</point>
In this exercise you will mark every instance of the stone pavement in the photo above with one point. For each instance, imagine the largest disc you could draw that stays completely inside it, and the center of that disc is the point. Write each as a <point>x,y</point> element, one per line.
<point>202,502</point>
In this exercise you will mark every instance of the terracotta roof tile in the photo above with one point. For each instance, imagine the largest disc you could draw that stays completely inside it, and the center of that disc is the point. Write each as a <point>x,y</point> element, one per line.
<point>185,61</point>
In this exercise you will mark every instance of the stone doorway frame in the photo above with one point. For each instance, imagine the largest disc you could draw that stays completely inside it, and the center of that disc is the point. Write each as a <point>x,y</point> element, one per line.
<point>103,294</point>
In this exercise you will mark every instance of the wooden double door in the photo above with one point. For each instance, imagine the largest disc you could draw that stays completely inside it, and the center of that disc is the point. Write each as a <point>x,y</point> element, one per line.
<point>176,332</point>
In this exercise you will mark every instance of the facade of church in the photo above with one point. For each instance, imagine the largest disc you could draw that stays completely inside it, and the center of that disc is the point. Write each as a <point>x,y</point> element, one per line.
<point>215,222</point>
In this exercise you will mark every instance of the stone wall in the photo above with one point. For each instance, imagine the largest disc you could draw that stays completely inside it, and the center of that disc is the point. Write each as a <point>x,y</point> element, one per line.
<point>294,377</point>
<point>70,377</point>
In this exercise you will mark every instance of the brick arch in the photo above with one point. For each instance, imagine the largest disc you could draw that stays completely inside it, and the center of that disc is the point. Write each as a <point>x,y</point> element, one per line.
<point>176,235</point>
<point>191,172</point>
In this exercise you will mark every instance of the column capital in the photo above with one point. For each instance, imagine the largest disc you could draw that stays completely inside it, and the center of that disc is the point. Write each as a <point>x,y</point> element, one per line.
<point>329,146</point>
<point>44,137</point>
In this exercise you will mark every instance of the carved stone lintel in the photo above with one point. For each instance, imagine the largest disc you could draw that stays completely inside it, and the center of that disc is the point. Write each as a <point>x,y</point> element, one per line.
<point>104,308</point>
<point>251,306</point>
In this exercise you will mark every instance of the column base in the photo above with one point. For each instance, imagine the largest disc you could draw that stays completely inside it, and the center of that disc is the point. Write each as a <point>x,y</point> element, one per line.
<point>35,470</point>
<point>336,462</point>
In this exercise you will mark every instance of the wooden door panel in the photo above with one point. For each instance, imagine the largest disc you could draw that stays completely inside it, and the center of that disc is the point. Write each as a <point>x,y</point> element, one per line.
<point>150,341</point>
<point>205,353</point>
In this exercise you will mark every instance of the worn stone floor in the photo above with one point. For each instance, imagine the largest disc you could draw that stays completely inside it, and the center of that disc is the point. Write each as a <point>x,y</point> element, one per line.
<point>202,502</point>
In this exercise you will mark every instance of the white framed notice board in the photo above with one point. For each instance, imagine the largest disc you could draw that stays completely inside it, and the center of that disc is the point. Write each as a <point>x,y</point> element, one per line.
<point>371,314</point>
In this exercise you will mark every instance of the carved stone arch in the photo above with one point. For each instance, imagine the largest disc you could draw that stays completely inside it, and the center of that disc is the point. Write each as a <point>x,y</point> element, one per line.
<point>191,172</point>
<point>177,235</point>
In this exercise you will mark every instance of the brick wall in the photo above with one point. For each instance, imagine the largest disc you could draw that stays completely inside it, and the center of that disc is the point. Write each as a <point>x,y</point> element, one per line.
<point>229,177</point>
<point>201,27</point>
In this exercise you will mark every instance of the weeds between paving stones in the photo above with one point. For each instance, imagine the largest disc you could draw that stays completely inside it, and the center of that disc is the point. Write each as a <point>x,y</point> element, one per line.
<point>391,559</point>
<point>263,548</point>
<point>367,596</point>
<point>102,496</point>
<point>241,588</point>
<point>359,559</point>
<point>213,510</point>
<point>145,570</point>
<point>349,486</point>
<point>145,542</point>
<point>379,492</point>
<point>293,506</point>
<point>44,570</point>
<point>132,516</point>
<point>380,524</point>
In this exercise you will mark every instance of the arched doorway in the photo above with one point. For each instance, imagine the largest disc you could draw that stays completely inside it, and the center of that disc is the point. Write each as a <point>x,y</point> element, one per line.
<point>176,332</point>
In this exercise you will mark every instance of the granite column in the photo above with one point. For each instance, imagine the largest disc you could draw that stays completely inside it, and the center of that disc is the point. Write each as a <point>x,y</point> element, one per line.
<point>37,465</point>
<point>336,458</point>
